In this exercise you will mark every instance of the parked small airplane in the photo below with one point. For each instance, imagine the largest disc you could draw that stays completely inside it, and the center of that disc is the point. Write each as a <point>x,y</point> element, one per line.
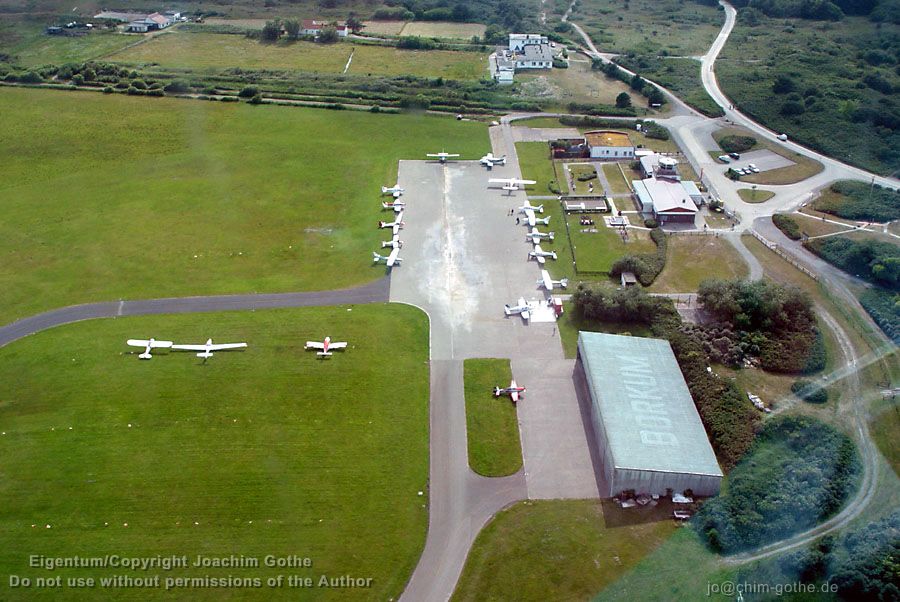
<point>391,259</point>
<point>548,283</point>
<point>534,221</point>
<point>513,390</point>
<point>208,348</point>
<point>397,206</point>
<point>394,225</point>
<point>524,208</point>
<point>489,160</point>
<point>394,243</point>
<point>148,344</point>
<point>529,210</point>
<point>511,184</point>
<point>394,191</point>
<point>540,254</point>
<point>523,309</point>
<point>442,156</point>
<point>536,236</point>
<point>325,346</point>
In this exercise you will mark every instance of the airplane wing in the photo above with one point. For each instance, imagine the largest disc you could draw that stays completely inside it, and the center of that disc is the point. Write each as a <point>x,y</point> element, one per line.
<point>529,215</point>
<point>392,258</point>
<point>190,347</point>
<point>499,181</point>
<point>522,302</point>
<point>339,345</point>
<point>514,181</point>
<point>144,343</point>
<point>314,345</point>
<point>221,346</point>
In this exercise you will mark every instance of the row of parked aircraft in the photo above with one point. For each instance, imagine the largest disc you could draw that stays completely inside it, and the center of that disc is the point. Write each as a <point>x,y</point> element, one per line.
<point>208,348</point>
<point>394,244</point>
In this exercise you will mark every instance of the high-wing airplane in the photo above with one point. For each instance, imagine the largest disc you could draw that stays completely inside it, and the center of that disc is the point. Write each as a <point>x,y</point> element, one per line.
<point>489,160</point>
<point>326,346</point>
<point>397,206</point>
<point>529,210</point>
<point>148,344</point>
<point>207,349</point>
<point>442,156</point>
<point>391,259</point>
<point>536,236</point>
<point>540,254</point>
<point>522,308</point>
<point>524,208</point>
<point>511,184</point>
<point>513,390</point>
<point>394,225</point>
<point>549,283</point>
<point>394,191</point>
<point>394,243</point>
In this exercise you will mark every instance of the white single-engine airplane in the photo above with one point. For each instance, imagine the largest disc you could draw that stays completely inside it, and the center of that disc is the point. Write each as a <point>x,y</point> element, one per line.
<point>536,236</point>
<point>511,184</point>
<point>513,390</point>
<point>530,219</point>
<point>540,254</point>
<point>397,206</point>
<point>394,191</point>
<point>523,309</point>
<point>207,349</point>
<point>394,243</point>
<point>549,283</point>
<point>442,156</point>
<point>148,344</point>
<point>489,160</point>
<point>325,346</point>
<point>394,225</point>
<point>391,259</point>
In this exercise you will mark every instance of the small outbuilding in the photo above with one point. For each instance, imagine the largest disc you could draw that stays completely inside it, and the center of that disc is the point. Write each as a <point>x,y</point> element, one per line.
<point>609,144</point>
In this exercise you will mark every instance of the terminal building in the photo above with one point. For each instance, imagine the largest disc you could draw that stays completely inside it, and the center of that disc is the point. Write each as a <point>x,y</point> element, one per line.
<point>649,435</point>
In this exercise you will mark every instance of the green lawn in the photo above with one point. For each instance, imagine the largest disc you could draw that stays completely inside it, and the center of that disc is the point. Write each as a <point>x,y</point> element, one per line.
<point>597,251</point>
<point>886,432</point>
<point>492,428</point>
<point>205,51</point>
<point>535,163</point>
<point>617,183</point>
<point>581,187</point>
<point>692,259</point>
<point>29,46</point>
<point>555,550</point>
<point>125,197</point>
<point>264,451</point>
<point>750,195</point>
<point>562,267</point>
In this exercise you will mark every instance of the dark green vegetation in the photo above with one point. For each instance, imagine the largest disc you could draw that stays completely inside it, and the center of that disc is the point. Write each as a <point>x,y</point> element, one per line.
<point>680,75</point>
<point>736,143</point>
<point>635,82</point>
<point>253,452</point>
<point>729,418</point>
<point>808,391</point>
<point>492,429</point>
<point>646,266</point>
<point>787,224</point>
<point>860,201</point>
<point>828,85</point>
<point>799,472</point>
<point>884,307</point>
<point>775,323</point>
<point>120,197</point>
<point>556,550</point>
<point>885,429</point>
<point>871,259</point>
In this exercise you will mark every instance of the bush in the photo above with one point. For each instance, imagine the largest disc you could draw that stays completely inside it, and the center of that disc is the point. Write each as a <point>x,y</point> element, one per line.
<point>884,307</point>
<point>645,267</point>
<point>256,100</point>
<point>78,80</point>
<point>862,201</point>
<point>808,391</point>
<point>650,223</point>
<point>737,144</point>
<point>249,92</point>
<point>873,260</point>
<point>108,90</point>
<point>229,99</point>
<point>177,86</point>
<point>787,224</point>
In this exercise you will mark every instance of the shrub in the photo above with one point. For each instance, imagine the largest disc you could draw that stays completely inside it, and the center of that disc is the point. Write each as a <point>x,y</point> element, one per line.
<point>650,223</point>
<point>884,307</point>
<point>256,100</point>
<point>787,224</point>
<point>645,267</point>
<point>623,100</point>
<point>737,144</point>
<point>870,259</point>
<point>249,92</point>
<point>862,201</point>
<point>139,84</point>
<point>177,86</point>
<point>108,90</point>
<point>78,80</point>
<point>229,99</point>
<point>808,391</point>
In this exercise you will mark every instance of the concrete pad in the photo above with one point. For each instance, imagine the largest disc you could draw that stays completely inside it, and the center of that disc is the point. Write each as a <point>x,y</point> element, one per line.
<point>555,437</point>
<point>526,134</point>
<point>764,159</point>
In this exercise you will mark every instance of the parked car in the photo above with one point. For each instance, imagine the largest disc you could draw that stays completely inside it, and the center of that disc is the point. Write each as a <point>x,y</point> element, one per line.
<point>753,168</point>
<point>782,137</point>
<point>734,156</point>
<point>724,159</point>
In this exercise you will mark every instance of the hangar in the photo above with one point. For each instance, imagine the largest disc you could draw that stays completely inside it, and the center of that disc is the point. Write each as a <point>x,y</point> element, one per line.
<point>649,435</point>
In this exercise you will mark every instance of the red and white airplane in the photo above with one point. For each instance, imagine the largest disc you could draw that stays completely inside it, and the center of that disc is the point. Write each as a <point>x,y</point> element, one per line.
<point>513,390</point>
<point>148,344</point>
<point>394,225</point>
<point>207,349</point>
<point>326,346</point>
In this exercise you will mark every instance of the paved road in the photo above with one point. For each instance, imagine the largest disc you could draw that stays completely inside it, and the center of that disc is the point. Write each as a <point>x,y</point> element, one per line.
<point>375,292</point>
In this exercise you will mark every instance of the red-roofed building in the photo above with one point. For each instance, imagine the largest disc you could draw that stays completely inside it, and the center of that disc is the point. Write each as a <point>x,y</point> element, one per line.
<point>311,27</point>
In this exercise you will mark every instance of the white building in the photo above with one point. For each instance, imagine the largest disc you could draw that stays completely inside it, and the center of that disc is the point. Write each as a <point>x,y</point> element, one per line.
<point>608,144</point>
<point>311,27</point>
<point>518,41</point>
<point>502,68</point>
<point>534,56</point>
<point>668,201</point>
<point>149,23</point>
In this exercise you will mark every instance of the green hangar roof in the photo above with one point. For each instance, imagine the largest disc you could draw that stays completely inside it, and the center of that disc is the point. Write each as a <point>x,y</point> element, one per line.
<point>648,419</point>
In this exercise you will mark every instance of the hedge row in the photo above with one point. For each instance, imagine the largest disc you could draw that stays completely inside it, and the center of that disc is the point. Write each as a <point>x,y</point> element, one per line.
<point>646,267</point>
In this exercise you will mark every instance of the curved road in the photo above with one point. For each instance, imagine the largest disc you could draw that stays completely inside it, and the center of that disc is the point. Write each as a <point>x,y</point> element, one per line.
<point>375,292</point>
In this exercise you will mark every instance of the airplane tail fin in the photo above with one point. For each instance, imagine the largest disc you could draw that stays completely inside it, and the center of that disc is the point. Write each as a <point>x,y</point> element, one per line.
<point>324,354</point>
<point>205,354</point>
<point>496,391</point>
<point>564,282</point>
<point>376,257</point>
<point>145,356</point>
<point>539,208</point>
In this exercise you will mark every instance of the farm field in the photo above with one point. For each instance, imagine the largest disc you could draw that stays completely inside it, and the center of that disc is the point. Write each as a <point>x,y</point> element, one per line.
<point>208,51</point>
<point>383,28</point>
<point>492,429</point>
<point>579,83</point>
<point>28,45</point>
<point>210,198</point>
<point>692,259</point>
<point>443,29</point>
<point>555,550</point>
<point>885,431</point>
<point>596,252</point>
<point>256,452</point>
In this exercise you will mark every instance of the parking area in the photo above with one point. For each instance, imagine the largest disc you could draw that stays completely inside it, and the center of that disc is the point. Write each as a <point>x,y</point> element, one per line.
<point>764,160</point>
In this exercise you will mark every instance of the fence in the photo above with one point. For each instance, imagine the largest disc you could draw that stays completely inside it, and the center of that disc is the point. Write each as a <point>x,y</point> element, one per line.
<point>715,233</point>
<point>774,248</point>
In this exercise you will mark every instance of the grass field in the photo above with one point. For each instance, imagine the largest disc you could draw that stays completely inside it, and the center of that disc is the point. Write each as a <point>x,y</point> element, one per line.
<point>554,550</point>
<point>383,28</point>
<point>125,197</point>
<point>29,46</point>
<point>749,195</point>
<point>443,29</point>
<point>492,429</point>
<point>679,75</point>
<point>584,169</point>
<point>617,183</point>
<point>206,51</point>
<point>579,83</point>
<point>803,166</point>
<point>535,163</point>
<point>813,226</point>
<point>597,251</point>
<point>886,432</point>
<point>265,451</point>
<point>692,259</point>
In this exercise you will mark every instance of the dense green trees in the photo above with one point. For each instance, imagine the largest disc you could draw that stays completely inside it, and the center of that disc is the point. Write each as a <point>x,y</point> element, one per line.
<point>861,201</point>
<point>866,563</point>
<point>873,260</point>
